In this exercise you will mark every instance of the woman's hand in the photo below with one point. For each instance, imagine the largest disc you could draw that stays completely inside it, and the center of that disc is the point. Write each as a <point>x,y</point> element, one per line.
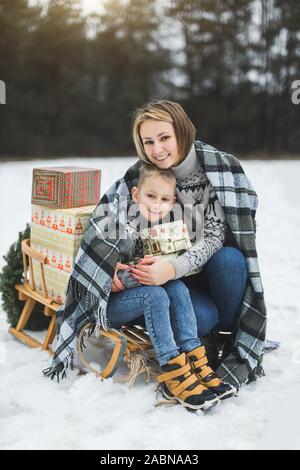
<point>152,271</point>
<point>117,285</point>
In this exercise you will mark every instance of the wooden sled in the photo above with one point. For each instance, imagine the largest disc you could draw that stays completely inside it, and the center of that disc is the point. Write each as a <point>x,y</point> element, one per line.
<point>128,341</point>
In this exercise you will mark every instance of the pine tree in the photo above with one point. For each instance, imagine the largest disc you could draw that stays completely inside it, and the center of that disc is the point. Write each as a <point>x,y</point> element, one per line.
<point>128,64</point>
<point>56,73</point>
<point>276,62</point>
<point>18,21</point>
<point>216,36</point>
<point>286,67</point>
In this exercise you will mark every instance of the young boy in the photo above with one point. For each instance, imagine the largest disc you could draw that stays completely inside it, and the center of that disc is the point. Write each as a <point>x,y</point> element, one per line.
<point>167,309</point>
<point>152,233</point>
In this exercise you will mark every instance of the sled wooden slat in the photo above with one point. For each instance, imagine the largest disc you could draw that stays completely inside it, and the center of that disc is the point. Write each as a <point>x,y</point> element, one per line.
<point>31,253</point>
<point>137,334</point>
<point>26,291</point>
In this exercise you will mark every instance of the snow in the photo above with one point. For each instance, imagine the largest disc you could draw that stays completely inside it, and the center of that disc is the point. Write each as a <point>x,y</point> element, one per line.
<point>84,413</point>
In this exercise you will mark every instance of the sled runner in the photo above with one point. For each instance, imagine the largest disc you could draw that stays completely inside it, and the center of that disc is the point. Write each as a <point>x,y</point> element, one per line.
<point>131,344</point>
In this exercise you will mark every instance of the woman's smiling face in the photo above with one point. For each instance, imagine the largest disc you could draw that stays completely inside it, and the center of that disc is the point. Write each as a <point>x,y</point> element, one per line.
<point>160,143</point>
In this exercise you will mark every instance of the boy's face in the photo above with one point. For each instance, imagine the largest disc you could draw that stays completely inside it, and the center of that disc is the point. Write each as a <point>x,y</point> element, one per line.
<point>155,197</point>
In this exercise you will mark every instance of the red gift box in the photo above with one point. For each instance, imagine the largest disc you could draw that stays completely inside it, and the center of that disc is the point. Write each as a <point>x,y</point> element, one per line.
<point>65,187</point>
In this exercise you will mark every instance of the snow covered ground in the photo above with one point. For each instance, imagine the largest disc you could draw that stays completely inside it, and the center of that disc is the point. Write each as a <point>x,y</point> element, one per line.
<point>84,413</point>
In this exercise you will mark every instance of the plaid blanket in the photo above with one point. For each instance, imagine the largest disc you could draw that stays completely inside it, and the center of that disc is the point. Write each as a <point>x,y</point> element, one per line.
<point>91,280</point>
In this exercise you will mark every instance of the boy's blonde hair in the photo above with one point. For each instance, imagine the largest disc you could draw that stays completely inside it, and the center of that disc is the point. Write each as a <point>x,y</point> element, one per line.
<point>147,170</point>
<point>167,111</point>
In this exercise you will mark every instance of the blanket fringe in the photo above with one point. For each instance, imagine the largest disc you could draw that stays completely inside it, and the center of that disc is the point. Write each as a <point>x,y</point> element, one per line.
<point>59,371</point>
<point>55,372</point>
<point>257,372</point>
<point>90,303</point>
<point>88,332</point>
<point>95,316</point>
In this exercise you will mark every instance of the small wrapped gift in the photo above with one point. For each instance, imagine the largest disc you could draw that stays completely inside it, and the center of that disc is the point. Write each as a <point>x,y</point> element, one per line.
<point>168,240</point>
<point>65,187</point>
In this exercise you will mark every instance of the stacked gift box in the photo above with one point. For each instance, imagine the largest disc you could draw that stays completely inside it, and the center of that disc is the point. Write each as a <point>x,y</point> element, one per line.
<point>63,199</point>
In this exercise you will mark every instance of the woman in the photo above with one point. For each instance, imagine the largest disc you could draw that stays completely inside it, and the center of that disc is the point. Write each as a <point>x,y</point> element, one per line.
<point>228,289</point>
<point>164,136</point>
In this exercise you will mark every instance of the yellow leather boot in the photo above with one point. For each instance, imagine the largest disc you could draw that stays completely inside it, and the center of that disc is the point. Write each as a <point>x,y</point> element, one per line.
<point>206,375</point>
<point>179,382</point>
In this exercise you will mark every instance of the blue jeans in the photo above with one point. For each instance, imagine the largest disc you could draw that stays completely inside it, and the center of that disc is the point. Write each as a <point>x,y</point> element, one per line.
<point>214,297</point>
<point>218,290</point>
<point>168,313</point>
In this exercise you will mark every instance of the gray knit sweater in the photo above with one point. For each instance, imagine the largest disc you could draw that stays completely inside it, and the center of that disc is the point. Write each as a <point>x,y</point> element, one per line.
<point>193,187</point>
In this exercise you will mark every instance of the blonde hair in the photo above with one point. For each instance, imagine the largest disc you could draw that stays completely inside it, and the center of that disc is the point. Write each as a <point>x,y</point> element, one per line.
<point>166,111</point>
<point>147,170</point>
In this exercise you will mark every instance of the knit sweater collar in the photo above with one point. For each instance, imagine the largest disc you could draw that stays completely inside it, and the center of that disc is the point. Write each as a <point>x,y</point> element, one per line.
<point>188,166</point>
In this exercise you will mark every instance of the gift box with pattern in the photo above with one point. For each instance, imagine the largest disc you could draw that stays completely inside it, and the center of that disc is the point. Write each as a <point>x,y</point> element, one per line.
<point>65,187</point>
<point>167,239</point>
<point>56,281</point>
<point>59,224</point>
<point>57,233</point>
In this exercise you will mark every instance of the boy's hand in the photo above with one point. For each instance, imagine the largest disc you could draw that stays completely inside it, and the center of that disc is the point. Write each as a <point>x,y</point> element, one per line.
<point>117,285</point>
